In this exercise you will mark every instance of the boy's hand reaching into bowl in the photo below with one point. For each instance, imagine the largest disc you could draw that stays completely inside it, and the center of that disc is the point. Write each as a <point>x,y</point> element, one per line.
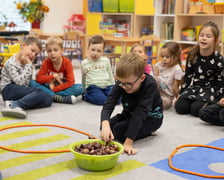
<point>106,133</point>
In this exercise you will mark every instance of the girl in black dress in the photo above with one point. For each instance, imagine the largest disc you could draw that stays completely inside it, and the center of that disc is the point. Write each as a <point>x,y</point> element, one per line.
<point>204,76</point>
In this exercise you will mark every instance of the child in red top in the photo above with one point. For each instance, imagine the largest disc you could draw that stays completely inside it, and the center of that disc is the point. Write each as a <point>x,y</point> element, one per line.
<point>56,76</point>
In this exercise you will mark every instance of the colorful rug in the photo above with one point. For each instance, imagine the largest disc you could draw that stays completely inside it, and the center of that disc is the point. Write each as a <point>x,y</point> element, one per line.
<point>17,166</point>
<point>201,160</point>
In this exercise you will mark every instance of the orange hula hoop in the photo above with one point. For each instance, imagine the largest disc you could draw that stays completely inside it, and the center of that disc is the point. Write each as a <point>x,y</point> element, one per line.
<point>53,125</point>
<point>191,172</point>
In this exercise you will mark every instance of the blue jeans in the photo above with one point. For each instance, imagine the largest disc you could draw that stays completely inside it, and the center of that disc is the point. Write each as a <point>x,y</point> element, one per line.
<point>97,95</point>
<point>76,89</point>
<point>26,97</point>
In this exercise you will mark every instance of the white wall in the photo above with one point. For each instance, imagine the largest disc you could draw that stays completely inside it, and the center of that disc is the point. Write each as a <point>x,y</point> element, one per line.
<point>60,11</point>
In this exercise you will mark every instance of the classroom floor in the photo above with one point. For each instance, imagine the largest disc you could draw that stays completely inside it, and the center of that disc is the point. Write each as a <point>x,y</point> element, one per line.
<point>150,162</point>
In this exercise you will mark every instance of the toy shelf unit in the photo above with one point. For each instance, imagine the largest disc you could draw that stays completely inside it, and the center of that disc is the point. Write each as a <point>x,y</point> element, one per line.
<point>118,24</point>
<point>75,22</point>
<point>185,18</point>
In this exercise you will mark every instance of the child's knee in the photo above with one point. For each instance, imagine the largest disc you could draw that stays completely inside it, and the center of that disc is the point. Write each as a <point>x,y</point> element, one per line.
<point>95,99</point>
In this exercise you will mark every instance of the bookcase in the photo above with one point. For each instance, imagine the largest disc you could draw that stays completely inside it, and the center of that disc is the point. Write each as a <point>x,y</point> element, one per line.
<point>183,20</point>
<point>151,12</point>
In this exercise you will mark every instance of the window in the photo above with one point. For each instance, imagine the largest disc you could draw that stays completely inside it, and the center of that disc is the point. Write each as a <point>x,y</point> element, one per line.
<point>8,9</point>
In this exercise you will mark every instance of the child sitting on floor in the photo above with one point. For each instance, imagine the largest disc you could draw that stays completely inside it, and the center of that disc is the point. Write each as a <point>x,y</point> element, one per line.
<point>97,76</point>
<point>168,73</point>
<point>142,105</point>
<point>15,77</point>
<point>56,76</point>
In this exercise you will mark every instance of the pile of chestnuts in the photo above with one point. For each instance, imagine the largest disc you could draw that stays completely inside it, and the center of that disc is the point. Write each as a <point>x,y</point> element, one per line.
<point>96,148</point>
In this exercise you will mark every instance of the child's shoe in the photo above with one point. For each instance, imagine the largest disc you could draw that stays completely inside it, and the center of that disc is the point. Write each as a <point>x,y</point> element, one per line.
<point>64,99</point>
<point>12,109</point>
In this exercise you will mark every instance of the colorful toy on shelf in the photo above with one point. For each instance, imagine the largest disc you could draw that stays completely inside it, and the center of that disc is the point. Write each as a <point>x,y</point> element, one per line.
<point>188,34</point>
<point>147,30</point>
<point>75,22</point>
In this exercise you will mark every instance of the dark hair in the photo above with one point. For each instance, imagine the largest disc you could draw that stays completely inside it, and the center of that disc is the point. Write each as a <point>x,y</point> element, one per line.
<point>97,39</point>
<point>130,64</point>
<point>195,50</point>
<point>29,40</point>
<point>174,52</point>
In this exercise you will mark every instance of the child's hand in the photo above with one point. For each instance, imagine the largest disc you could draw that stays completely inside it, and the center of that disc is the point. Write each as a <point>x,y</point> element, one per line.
<point>51,85</point>
<point>128,147</point>
<point>106,133</point>
<point>57,78</point>
<point>221,102</point>
<point>25,60</point>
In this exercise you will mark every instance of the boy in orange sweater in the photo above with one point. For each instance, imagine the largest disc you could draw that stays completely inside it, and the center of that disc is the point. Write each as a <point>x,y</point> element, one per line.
<point>56,76</point>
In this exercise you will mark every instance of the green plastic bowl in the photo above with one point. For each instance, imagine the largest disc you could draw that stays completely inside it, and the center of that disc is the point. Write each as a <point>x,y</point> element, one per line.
<point>95,162</point>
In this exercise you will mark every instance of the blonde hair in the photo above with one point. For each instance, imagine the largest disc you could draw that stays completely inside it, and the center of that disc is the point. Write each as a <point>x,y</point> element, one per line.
<point>138,45</point>
<point>54,40</point>
<point>130,64</point>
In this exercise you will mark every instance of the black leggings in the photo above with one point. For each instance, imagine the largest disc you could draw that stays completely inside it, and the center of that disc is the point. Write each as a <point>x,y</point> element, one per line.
<point>120,122</point>
<point>187,106</point>
<point>213,114</point>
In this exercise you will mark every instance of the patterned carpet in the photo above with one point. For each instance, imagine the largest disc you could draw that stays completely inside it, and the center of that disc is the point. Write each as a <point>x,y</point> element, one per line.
<point>150,162</point>
<point>17,166</point>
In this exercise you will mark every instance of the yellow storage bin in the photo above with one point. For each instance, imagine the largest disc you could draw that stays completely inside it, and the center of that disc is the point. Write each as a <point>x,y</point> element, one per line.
<point>126,5</point>
<point>110,6</point>
<point>9,50</point>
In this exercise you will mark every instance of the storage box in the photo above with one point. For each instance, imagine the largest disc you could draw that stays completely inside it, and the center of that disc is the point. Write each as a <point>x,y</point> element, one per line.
<point>95,5</point>
<point>126,5</point>
<point>201,9</point>
<point>110,6</point>
<point>9,50</point>
<point>219,8</point>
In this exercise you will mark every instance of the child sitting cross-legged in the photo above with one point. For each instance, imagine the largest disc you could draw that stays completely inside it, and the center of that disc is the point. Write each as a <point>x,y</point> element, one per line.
<point>142,105</point>
<point>56,76</point>
<point>97,76</point>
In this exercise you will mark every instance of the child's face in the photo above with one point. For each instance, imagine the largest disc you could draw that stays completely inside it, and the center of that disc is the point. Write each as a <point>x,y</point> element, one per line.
<point>131,84</point>
<point>206,39</point>
<point>54,52</point>
<point>140,51</point>
<point>30,51</point>
<point>96,51</point>
<point>165,57</point>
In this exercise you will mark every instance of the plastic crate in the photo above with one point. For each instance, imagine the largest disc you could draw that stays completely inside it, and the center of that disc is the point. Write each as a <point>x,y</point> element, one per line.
<point>95,5</point>
<point>219,8</point>
<point>126,5</point>
<point>9,50</point>
<point>110,6</point>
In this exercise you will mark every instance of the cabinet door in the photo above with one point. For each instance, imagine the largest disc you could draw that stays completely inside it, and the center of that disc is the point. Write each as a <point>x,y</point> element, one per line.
<point>143,7</point>
<point>93,24</point>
